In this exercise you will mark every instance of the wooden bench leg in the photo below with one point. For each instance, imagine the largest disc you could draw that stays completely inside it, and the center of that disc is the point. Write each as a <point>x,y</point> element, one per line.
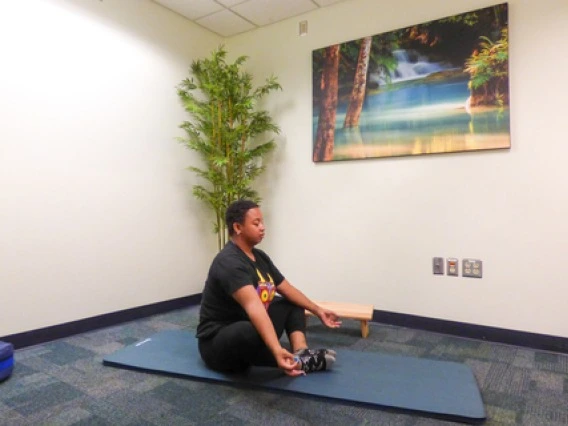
<point>364,328</point>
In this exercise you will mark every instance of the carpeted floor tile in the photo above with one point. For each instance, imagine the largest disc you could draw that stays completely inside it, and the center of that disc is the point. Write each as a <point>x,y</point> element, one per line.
<point>42,397</point>
<point>64,382</point>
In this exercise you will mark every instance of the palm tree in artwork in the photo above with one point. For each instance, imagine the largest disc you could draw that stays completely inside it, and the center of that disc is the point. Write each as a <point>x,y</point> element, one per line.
<point>323,147</point>
<point>359,85</point>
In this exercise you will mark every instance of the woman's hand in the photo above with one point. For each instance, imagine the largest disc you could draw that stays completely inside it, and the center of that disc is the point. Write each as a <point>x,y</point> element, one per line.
<point>328,318</point>
<point>287,363</point>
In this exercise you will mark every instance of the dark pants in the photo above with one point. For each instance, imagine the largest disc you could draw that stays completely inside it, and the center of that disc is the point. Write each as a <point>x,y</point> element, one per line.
<point>238,346</point>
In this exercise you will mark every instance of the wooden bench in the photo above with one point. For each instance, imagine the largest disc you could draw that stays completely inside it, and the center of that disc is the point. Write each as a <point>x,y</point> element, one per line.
<point>363,313</point>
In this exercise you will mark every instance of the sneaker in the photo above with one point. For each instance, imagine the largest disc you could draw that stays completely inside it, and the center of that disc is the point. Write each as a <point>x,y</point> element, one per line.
<point>308,351</point>
<point>315,359</point>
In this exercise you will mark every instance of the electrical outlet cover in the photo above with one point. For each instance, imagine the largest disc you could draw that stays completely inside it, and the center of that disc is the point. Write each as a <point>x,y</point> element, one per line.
<point>472,268</point>
<point>453,267</point>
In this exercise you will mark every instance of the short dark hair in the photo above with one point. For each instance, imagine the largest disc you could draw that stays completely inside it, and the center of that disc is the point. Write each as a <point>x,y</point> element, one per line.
<point>236,213</point>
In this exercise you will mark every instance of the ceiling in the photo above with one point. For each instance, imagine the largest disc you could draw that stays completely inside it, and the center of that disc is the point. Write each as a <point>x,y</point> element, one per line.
<point>230,17</point>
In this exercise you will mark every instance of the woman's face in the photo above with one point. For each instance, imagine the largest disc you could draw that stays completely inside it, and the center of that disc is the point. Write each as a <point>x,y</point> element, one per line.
<point>252,230</point>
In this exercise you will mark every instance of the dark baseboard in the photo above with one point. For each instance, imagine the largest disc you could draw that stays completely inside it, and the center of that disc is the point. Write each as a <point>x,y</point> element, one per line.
<point>491,334</point>
<point>42,335</point>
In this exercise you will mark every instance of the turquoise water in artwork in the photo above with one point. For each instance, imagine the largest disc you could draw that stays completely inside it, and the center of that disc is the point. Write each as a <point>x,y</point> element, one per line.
<point>420,117</point>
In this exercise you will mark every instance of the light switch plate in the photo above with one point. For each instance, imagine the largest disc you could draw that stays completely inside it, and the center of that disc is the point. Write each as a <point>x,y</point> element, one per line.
<point>438,265</point>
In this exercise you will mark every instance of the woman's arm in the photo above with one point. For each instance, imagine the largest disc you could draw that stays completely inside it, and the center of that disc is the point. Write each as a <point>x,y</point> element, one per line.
<point>329,318</point>
<point>248,298</point>
<point>296,296</point>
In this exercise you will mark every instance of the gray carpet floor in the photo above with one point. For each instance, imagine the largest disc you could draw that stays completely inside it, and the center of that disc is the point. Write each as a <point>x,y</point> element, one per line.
<point>63,382</point>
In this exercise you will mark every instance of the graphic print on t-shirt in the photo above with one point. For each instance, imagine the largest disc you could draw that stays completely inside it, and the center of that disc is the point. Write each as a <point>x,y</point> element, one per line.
<point>266,289</point>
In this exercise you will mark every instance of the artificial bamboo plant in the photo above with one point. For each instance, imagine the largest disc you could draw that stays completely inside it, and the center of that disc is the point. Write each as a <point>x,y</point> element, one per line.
<point>224,129</point>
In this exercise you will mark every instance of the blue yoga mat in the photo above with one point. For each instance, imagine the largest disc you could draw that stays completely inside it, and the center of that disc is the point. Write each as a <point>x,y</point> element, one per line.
<point>440,389</point>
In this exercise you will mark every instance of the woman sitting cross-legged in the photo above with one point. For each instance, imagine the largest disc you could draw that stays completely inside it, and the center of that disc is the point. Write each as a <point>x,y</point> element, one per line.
<point>242,319</point>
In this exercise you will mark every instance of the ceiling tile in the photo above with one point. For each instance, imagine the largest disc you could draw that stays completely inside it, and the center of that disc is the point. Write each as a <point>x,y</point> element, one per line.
<point>265,12</point>
<point>225,23</point>
<point>230,17</point>
<point>229,3</point>
<point>323,3</point>
<point>192,9</point>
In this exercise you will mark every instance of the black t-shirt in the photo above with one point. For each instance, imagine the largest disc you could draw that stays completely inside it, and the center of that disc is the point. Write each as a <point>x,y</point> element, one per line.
<point>232,269</point>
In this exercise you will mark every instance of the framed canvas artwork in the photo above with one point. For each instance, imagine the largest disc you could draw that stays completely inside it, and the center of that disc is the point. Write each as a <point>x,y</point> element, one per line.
<point>436,87</point>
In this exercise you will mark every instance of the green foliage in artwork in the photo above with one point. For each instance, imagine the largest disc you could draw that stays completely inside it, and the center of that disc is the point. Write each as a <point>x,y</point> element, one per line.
<point>488,66</point>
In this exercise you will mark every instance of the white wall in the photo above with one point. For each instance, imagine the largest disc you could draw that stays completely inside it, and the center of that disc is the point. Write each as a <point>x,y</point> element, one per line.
<point>96,213</point>
<point>95,207</point>
<point>366,231</point>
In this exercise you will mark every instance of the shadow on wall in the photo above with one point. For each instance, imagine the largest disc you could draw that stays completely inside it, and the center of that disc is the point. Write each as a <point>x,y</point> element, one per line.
<point>145,20</point>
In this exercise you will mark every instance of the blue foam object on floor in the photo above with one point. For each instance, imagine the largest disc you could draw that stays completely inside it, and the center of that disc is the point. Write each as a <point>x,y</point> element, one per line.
<point>6,360</point>
<point>439,389</point>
